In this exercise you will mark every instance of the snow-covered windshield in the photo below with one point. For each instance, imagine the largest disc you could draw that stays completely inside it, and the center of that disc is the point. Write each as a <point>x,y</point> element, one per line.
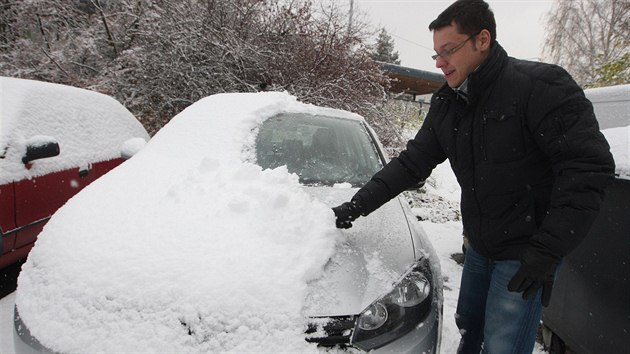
<point>321,150</point>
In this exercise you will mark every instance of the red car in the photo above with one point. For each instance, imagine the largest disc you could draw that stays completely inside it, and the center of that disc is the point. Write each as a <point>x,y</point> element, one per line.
<point>54,141</point>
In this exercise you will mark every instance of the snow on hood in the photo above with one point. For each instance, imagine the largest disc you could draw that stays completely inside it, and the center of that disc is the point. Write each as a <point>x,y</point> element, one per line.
<point>370,257</point>
<point>186,247</point>
<point>67,115</point>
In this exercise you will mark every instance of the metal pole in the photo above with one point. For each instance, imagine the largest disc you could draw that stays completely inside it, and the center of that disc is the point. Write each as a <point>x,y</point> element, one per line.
<point>350,16</point>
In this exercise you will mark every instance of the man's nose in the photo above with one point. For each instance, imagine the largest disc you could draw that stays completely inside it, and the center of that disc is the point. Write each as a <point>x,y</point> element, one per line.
<point>440,62</point>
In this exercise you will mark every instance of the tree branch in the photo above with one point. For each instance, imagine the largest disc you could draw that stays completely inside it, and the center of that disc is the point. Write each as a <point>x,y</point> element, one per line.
<point>56,64</point>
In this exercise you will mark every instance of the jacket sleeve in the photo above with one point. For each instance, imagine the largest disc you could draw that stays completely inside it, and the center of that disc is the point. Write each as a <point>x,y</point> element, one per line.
<point>414,164</point>
<point>564,126</point>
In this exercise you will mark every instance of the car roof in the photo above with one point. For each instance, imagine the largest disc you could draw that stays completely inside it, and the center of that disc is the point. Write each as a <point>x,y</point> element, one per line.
<point>89,126</point>
<point>612,109</point>
<point>611,105</point>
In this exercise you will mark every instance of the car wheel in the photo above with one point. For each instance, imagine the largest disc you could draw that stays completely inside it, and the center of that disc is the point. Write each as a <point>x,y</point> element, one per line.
<point>557,345</point>
<point>553,343</point>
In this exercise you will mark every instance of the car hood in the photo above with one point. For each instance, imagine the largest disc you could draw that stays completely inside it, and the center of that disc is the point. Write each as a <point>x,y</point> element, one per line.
<point>368,259</point>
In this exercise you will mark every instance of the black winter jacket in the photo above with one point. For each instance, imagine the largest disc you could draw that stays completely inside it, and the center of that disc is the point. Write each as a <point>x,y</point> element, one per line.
<point>526,150</point>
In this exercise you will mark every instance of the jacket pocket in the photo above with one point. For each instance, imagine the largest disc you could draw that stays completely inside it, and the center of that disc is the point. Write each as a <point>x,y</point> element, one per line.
<point>509,216</point>
<point>502,130</point>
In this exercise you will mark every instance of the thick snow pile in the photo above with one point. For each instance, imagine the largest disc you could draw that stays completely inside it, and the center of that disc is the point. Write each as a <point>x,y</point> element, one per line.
<point>89,127</point>
<point>619,140</point>
<point>186,247</point>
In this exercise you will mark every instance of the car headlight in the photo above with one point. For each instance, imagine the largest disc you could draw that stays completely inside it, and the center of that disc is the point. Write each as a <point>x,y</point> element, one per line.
<point>398,312</point>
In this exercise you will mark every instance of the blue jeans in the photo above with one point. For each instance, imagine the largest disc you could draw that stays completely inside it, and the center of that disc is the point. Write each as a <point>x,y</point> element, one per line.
<point>491,318</point>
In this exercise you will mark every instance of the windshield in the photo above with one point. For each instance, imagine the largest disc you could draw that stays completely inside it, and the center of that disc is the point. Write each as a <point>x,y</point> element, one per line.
<point>321,150</point>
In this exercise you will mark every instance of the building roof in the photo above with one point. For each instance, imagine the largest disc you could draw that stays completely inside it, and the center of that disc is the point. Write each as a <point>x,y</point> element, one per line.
<point>412,81</point>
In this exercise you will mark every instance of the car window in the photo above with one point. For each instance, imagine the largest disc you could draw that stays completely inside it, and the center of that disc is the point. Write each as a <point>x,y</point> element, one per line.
<point>321,150</point>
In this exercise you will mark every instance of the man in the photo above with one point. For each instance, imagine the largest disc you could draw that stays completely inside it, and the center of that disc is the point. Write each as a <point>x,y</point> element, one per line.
<point>532,165</point>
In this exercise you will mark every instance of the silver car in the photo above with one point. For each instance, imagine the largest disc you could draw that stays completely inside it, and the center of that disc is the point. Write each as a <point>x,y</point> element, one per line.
<point>381,288</point>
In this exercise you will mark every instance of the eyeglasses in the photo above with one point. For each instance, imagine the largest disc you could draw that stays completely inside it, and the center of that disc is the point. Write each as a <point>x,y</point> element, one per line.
<point>447,53</point>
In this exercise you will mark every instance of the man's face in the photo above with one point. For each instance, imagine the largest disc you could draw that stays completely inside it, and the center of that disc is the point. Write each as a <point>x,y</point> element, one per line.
<point>466,54</point>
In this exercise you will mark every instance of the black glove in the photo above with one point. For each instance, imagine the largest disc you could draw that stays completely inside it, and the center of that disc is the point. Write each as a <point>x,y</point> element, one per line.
<point>347,212</point>
<point>538,267</point>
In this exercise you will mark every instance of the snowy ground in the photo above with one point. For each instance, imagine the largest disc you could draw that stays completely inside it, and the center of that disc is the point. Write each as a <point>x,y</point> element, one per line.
<point>441,224</point>
<point>6,324</point>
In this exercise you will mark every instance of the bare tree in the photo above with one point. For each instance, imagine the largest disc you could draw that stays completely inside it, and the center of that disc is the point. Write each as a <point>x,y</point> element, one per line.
<point>200,48</point>
<point>159,56</point>
<point>8,17</point>
<point>70,42</point>
<point>585,35</point>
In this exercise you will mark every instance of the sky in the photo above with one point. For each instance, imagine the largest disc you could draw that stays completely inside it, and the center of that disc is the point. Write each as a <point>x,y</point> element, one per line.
<point>520,26</point>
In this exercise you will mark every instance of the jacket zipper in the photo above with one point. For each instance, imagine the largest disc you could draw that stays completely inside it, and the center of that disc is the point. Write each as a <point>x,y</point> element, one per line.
<point>484,117</point>
<point>484,123</point>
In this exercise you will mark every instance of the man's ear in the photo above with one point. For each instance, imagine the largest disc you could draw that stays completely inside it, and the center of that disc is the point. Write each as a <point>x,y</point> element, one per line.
<point>484,38</point>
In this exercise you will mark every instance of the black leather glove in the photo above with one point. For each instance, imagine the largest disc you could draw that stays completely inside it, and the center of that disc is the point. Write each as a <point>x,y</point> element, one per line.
<point>538,267</point>
<point>347,212</point>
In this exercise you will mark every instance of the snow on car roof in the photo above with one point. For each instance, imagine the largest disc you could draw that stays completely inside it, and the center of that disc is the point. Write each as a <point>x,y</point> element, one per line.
<point>612,109</point>
<point>619,140</point>
<point>186,247</point>
<point>611,104</point>
<point>89,126</point>
<point>608,93</point>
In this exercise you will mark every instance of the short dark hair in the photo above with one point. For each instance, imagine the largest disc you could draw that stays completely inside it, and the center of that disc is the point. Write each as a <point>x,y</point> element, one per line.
<point>471,16</point>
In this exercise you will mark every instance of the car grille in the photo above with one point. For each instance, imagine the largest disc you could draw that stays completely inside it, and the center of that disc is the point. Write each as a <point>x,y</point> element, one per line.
<point>331,330</point>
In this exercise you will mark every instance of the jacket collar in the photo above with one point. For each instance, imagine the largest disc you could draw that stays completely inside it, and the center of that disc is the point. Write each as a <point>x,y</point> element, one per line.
<point>488,71</point>
<point>462,90</point>
<point>481,78</point>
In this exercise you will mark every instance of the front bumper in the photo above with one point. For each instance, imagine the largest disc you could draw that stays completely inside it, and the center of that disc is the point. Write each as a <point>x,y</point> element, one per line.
<point>424,338</point>
<point>337,332</point>
<point>23,341</point>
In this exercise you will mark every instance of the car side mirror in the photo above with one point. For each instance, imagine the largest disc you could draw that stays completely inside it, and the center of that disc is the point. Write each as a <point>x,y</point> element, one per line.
<point>40,149</point>
<point>131,147</point>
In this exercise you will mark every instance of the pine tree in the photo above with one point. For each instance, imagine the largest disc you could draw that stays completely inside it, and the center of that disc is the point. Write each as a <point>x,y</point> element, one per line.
<point>384,49</point>
<point>615,72</point>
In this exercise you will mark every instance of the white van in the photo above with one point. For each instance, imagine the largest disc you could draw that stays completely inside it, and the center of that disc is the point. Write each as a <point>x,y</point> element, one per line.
<point>612,109</point>
<point>588,312</point>
<point>611,104</point>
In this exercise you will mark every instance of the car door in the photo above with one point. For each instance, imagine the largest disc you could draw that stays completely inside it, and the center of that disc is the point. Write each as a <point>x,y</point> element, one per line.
<point>54,141</point>
<point>36,199</point>
<point>7,220</point>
